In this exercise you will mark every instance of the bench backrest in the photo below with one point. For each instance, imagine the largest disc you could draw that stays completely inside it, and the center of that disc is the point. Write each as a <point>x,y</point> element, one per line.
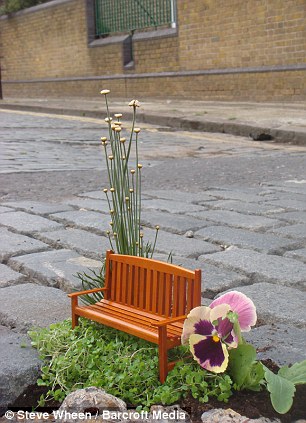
<point>153,286</point>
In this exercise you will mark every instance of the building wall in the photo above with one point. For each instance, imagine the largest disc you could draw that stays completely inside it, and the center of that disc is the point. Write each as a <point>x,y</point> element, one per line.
<point>242,33</point>
<point>251,50</point>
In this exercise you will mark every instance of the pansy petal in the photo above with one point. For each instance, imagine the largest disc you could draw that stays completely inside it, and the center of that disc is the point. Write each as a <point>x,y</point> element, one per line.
<point>200,313</point>
<point>203,327</point>
<point>213,366</point>
<point>240,304</point>
<point>231,340</point>
<point>195,323</point>
<point>219,312</point>
<point>211,355</point>
<point>226,332</point>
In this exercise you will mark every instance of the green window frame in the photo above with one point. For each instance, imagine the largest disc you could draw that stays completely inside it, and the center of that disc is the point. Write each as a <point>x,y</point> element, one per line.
<point>126,16</point>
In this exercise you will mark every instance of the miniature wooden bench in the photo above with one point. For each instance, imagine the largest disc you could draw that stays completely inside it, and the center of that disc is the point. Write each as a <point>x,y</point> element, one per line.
<point>145,298</point>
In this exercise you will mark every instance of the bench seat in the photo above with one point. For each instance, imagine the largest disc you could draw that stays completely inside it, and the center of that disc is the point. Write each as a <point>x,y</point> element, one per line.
<point>131,320</point>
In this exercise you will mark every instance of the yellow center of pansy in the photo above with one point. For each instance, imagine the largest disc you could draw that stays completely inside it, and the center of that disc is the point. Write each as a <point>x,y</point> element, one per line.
<point>216,338</point>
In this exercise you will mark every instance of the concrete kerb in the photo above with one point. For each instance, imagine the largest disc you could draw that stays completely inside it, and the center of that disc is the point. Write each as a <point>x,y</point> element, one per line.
<point>255,132</point>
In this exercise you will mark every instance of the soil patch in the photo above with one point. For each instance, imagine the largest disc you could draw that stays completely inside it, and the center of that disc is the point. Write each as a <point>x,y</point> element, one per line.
<point>250,404</point>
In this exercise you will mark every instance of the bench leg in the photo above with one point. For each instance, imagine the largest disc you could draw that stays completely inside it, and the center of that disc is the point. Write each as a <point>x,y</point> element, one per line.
<point>75,320</point>
<point>162,353</point>
<point>75,317</point>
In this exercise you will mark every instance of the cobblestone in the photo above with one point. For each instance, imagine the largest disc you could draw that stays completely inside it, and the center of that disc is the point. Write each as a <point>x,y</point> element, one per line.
<point>86,243</point>
<point>297,254</point>
<point>227,194</point>
<point>90,204</point>
<point>37,207</point>
<point>9,276</point>
<point>5,209</point>
<point>27,223</point>
<point>245,207</point>
<point>277,304</point>
<point>170,206</point>
<point>84,219</point>
<point>295,186</point>
<point>278,342</point>
<point>56,268</point>
<point>37,306</point>
<point>293,217</point>
<point>182,196</point>
<point>175,244</point>
<point>97,195</point>
<point>19,367</point>
<point>16,244</point>
<point>262,267</point>
<point>292,231</point>
<point>214,279</point>
<point>171,222</point>
<point>237,220</point>
<point>293,204</point>
<point>268,243</point>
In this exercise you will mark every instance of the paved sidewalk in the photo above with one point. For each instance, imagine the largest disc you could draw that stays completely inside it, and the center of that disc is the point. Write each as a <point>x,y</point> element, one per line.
<point>278,122</point>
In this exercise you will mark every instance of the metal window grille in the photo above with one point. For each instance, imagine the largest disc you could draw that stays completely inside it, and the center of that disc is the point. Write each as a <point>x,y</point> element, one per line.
<point>117,16</point>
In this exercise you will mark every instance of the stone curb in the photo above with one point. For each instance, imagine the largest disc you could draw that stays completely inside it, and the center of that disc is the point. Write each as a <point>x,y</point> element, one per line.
<point>256,132</point>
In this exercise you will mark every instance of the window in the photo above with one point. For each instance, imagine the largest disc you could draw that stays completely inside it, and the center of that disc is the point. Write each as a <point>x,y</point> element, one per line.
<point>122,16</point>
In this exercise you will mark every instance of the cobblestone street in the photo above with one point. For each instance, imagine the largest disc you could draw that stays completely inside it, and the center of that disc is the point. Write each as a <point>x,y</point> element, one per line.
<point>234,207</point>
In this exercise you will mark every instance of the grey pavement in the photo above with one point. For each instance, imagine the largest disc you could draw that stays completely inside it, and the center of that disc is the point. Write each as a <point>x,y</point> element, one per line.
<point>281,122</point>
<point>231,206</point>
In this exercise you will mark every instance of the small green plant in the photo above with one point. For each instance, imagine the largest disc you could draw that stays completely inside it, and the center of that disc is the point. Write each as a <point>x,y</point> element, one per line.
<point>282,385</point>
<point>123,195</point>
<point>125,366</point>
<point>124,191</point>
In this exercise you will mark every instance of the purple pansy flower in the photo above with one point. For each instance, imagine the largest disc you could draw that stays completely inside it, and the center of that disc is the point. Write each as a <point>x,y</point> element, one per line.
<point>210,334</point>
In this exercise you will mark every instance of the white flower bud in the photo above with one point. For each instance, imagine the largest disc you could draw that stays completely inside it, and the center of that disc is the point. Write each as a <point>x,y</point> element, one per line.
<point>134,103</point>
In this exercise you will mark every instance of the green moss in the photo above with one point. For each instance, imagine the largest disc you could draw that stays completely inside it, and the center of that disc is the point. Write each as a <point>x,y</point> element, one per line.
<point>125,366</point>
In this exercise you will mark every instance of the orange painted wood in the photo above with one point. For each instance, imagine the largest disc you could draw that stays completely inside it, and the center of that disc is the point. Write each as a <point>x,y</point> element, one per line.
<point>145,298</point>
<point>88,291</point>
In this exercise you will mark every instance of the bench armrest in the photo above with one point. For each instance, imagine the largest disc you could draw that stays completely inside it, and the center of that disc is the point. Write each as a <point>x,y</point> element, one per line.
<point>89,291</point>
<point>169,320</point>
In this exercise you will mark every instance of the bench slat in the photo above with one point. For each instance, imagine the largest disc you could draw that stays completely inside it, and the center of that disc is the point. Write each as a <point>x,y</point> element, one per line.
<point>168,294</point>
<point>161,294</point>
